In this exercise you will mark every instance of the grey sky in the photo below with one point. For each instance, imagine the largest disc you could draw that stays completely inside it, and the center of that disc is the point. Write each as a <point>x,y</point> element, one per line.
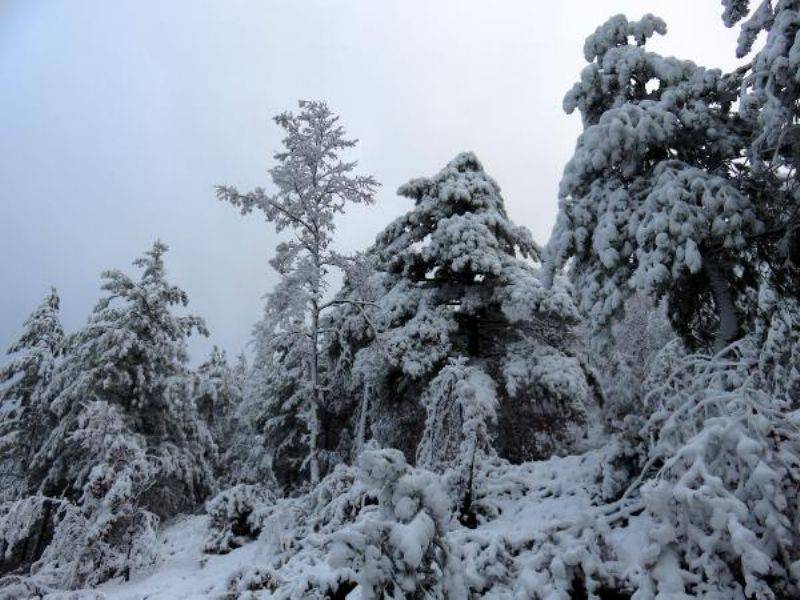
<point>117,119</point>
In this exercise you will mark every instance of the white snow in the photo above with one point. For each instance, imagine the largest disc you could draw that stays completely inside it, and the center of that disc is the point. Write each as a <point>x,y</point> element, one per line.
<point>531,500</point>
<point>184,571</point>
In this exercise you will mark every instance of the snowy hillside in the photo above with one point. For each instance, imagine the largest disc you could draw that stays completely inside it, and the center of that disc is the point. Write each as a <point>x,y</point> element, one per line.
<point>529,503</point>
<point>184,571</point>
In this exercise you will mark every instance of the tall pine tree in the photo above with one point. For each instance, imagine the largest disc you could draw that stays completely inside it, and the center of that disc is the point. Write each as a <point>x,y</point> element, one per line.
<point>314,184</point>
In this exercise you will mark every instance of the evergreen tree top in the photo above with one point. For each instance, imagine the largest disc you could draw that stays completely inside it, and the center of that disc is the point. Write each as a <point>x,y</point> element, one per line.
<point>458,224</point>
<point>143,305</point>
<point>132,341</point>
<point>43,327</point>
<point>652,198</point>
<point>34,352</point>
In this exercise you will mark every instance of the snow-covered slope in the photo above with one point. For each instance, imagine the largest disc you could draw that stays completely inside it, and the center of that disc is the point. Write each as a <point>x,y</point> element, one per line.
<point>524,505</point>
<point>185,572</point>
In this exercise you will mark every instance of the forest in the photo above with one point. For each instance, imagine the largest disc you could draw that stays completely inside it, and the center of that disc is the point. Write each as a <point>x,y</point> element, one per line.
<point>456,411</point>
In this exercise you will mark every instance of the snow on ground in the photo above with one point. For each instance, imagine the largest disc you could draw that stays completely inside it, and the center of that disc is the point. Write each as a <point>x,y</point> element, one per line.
<point>529,500</point>
<point>185,572</point>
<point>558,489</point>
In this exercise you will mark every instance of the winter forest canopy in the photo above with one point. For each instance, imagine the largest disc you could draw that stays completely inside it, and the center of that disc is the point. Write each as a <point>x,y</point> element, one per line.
<point>456,411</point>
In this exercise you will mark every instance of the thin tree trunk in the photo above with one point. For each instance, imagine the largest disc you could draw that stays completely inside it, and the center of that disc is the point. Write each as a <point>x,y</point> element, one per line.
<point>361,434</point>
<point>315,396</point>
<point>728,326</point>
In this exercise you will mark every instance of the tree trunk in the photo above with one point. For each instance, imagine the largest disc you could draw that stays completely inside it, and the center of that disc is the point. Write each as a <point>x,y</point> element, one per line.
<point>728,325</point>
<point>361,434</point>
<point>315,397</point>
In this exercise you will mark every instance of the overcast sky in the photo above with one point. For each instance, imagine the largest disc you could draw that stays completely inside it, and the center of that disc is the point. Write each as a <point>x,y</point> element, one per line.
<point>118,118</point>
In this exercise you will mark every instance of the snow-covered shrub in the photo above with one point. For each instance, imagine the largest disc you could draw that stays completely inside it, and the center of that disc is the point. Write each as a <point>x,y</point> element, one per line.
<point>399,550</point>
<point>18,587</point>
<point>338,500</point>
<point>25,526</point>
<point>107,533</point>
<point>234,519</point>
<point>542,532</point>
<point>461,403</point>
<point>380,527</point>
<point>246,583</point>
<point>297,534</point>
<point>721,484</point>
<point>567,564</point>
<point>90,548</point>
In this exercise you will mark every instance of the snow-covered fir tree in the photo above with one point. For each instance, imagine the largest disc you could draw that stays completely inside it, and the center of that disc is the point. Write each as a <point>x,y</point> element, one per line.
<point>131,355</point>
<point>651,199</point>
<point>661,196</point>
<point>25,421</point>
<point>461,347</point>
<point>217,390</point>
<point>24,416</point>
<point>769,99</point>
<point>108,532</point>
<point>278,404</point>
<point>124,443</point>
<point>314,184</point>
<point>218,393</point>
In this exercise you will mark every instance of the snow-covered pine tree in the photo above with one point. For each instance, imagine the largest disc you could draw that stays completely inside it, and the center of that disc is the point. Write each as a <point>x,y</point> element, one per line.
<point>314,184</point>
<point>454,281</point>
<point>659,197</point>
<point>217,390</point>
<point>769,98</point>
<point>131,355</point>
<point>277,404</point>
<point>653,198</point>
<point>108,533</point>
<point>218,393</point>
<point>24,416</point>
<point>125,443</point>
<point>25,421</point>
